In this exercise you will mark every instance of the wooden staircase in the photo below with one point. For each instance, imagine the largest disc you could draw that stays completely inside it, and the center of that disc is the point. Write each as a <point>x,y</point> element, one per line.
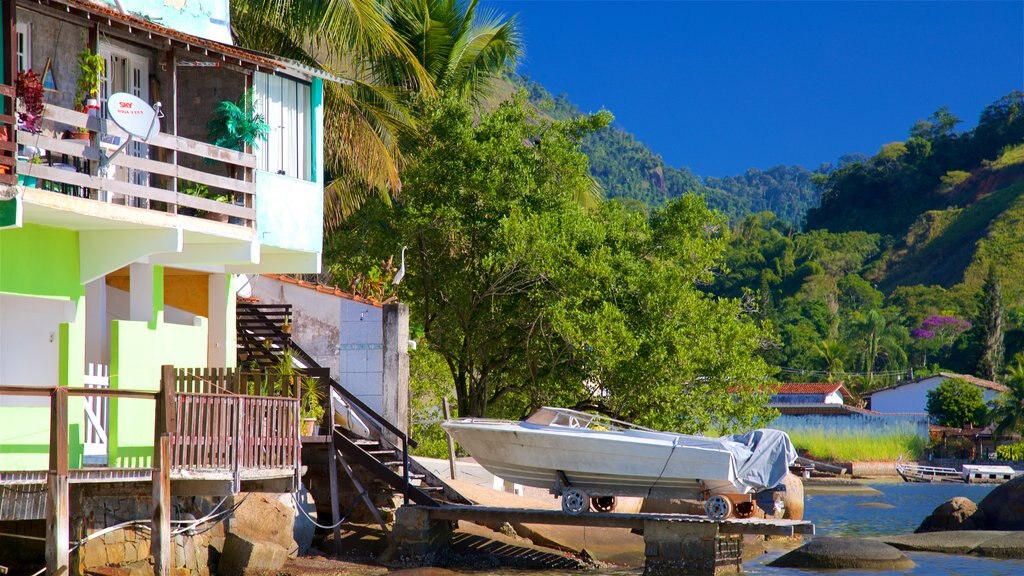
<point>384,456</point>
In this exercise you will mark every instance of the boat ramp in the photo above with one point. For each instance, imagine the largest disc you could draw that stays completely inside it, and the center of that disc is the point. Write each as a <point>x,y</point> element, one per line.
<point>673,543</point>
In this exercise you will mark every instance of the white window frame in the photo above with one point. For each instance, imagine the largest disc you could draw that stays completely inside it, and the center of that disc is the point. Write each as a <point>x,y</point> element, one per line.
<point>285,104</point>
<point>24,45</point>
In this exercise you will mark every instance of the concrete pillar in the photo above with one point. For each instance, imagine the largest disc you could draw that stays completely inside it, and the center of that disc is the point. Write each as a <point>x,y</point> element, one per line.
<point>140,293</point>
<point>690,548</point>
<point>221,346</point>
<point>395,401</point>
<point>416,537</point>
<point>97,327</point>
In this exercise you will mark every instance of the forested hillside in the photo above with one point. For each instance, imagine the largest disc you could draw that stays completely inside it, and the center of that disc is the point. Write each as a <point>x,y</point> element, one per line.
<point>912,261</point>
<point>628,169</point>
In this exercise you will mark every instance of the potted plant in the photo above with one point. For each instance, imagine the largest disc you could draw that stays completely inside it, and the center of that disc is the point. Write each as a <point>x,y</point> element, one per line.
<point>285,374</point>
<point>286,326</point>
<point>311,405</point>
<point>236,125</point>
<point>26,180</point>
<point>203,191</point>
<point>91,67</point>
<point>29,89</point>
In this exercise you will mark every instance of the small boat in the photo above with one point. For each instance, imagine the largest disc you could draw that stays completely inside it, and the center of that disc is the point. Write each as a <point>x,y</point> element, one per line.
<point>588,460</point>
<point>346,417</point>
<point>969,474</point>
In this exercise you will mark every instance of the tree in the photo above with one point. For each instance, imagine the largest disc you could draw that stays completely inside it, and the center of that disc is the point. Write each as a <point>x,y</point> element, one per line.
<point>878,338</point>
<point>364,119</point>
<point>1008,411</point>
<point>956,403</point>
<point>461,51</point>
<point>990,325</point>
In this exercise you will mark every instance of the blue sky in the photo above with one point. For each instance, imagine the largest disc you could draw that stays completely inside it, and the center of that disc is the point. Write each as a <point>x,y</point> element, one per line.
<point>721,87</point>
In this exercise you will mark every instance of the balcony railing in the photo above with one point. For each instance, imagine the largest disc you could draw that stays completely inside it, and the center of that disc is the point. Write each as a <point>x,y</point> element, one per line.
<point>7,144</point>
<point>144,180</point>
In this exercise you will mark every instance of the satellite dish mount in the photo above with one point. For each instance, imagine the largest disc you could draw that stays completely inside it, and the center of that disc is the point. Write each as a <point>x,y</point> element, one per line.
<point>133,115</point>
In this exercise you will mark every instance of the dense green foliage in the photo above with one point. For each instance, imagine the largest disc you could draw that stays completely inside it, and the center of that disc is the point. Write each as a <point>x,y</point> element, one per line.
<point>1008,409</point>
<point>1014,452</point>
<point>957,403</point>
<point>627,169</point>
<point>531,298</point>
<point>830,447</point>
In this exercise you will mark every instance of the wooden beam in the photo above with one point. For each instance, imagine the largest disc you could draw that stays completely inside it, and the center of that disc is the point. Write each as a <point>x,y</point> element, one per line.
<point>332,468</point>
<point>162,429</point>
<point>57,522</point>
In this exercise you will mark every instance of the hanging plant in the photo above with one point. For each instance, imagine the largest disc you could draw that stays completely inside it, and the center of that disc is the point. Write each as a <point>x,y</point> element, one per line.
<point>29,89</point>
<point>236,125</point>
<point>90,68</point>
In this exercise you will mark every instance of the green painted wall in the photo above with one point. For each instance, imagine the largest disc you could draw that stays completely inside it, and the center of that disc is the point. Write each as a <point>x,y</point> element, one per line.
<point>137,351</point>
<point>40,261</point>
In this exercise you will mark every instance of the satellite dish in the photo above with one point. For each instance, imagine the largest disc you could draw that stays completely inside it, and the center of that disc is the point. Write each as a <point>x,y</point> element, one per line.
<point>133,115</point>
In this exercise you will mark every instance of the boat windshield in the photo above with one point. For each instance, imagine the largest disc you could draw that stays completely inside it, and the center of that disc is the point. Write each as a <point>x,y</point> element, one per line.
<point>548,416</point>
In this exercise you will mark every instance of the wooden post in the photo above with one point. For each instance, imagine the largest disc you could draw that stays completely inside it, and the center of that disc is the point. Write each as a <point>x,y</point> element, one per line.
<point>162,428</point>
<point>451,442</point>
<point>58,526</point>
<point>332,468</point>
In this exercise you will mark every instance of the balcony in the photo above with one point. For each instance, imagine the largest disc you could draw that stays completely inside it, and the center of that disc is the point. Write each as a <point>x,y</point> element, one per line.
<point>148,176</point>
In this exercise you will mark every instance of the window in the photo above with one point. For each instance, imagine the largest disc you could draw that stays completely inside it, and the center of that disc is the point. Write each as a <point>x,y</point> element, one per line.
<point>285,105</point>
<point>24,46</point>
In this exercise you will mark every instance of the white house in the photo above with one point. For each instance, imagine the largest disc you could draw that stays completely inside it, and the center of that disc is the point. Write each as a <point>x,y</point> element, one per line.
<point>809,393</point>
<point>913,396</point>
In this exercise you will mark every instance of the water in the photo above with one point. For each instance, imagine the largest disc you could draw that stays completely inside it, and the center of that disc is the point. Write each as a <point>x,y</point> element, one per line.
<point>840,515</point>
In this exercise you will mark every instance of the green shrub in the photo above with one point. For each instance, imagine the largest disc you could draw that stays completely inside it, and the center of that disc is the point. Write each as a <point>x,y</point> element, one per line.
<point>952,179</point>
<point>1011,451</point>
<point>1008,157</point>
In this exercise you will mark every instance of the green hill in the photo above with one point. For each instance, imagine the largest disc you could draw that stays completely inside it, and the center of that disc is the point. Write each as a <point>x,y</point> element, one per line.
<point>628,169</point>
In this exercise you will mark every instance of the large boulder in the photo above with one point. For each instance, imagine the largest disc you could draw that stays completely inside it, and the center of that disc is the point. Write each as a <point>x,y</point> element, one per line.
<point>1004,506</point>
<point>957,513</point>
<point>244,555</point>
<point>842,553</point>
<point>793,497</point>
<point>266,517</point>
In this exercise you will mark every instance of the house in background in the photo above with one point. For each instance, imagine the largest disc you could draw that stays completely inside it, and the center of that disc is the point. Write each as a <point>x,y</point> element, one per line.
<point>809,393</point>
<point>913,396</point>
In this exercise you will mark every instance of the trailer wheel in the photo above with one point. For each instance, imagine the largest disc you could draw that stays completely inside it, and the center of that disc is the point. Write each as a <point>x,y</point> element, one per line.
<point>603,503</point>
<point>575,501</point>
<point>718,507</point>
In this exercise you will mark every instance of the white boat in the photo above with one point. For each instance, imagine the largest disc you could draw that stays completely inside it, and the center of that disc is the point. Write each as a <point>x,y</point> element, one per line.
<point>584,456</point>
<point>346,417</point>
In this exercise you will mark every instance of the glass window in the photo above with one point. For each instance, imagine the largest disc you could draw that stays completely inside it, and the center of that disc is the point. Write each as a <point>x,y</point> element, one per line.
<point>24,46</point>
<point>285,105</point>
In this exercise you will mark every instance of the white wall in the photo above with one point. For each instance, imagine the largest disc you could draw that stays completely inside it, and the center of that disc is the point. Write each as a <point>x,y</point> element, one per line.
<point>912,397</point>
<point>341,334</point>
<point>834,398</point>
<point>30,343</point>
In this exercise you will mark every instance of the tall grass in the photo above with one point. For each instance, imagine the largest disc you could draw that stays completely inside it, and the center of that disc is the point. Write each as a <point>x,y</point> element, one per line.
<point>855,447</point>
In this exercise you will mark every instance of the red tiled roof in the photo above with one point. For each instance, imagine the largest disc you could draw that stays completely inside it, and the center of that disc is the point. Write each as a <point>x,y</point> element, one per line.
<point>812,388</point>
<point>826,409</point>
<point>323,289</point>
<point>133,23</point>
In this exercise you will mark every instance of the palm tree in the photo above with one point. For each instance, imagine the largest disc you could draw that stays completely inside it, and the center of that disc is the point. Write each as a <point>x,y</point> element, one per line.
<point>878,338</point>
<point>1008,413</point>
<point>364,119</point>
<point>462,51</point>
<point>831,353</point>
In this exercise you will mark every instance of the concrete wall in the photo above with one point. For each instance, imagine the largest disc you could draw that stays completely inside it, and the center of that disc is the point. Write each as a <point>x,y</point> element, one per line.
<point>60,41</point>
<point>289,212</point>
<point>912,397</point>
<point>341,334</point>
<point>854,424</point>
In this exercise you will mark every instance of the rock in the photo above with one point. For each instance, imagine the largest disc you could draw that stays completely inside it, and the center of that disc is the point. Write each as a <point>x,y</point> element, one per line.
<point>265,518</point>
<point>832,553</point>
<point>107,571</point>
<point>1004,506</point>
<point>1008,545</point>
<point>793,497</point>
<point>957,513</point>
<point>958,542</point>
<point>242,555</point>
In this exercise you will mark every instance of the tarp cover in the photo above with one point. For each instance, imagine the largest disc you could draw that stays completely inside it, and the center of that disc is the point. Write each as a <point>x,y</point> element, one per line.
<point>763,457</point>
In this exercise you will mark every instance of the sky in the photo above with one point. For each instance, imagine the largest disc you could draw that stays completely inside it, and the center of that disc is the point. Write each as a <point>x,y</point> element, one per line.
<point>724,86</point>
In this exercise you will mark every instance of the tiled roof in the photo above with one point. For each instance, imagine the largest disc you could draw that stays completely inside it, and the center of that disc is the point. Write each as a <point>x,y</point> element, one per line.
<point>323,289</point>
<point>812,388</point>
<point>979,382</point>
<point>195,44</point>
<point>826,409</point>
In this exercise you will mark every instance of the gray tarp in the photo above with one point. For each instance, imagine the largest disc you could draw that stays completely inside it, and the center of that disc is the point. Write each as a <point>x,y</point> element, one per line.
<point>763,457</point>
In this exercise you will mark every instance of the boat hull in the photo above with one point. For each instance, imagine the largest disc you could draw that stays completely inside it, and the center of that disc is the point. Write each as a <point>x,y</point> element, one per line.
<point>620,463</point>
